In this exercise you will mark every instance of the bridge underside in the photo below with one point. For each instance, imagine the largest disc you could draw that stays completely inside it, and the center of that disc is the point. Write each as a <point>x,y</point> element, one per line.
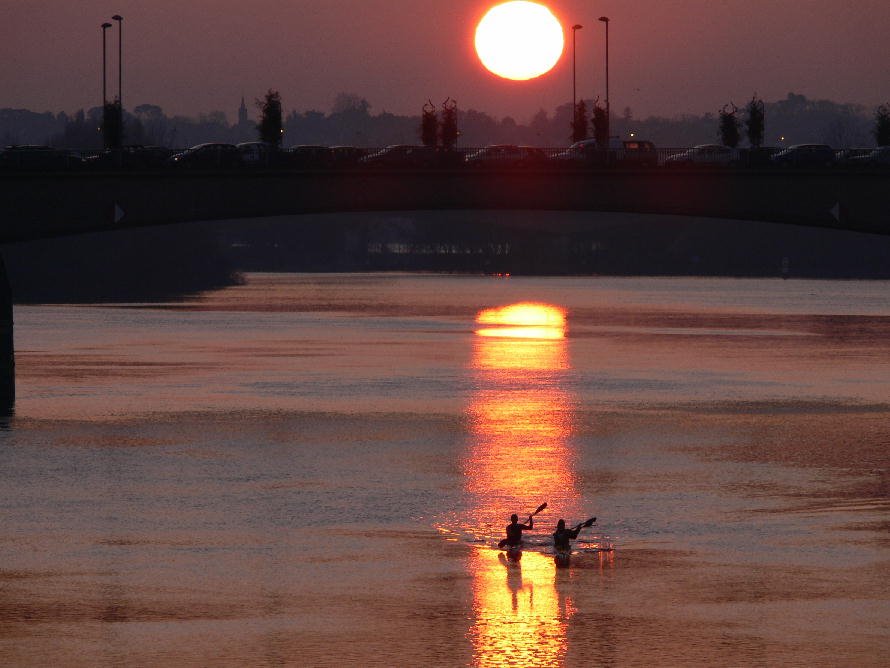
<point>34,206</point>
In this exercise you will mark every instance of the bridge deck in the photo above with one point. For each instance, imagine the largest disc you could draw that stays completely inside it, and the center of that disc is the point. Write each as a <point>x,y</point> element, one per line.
<point>39,205</point>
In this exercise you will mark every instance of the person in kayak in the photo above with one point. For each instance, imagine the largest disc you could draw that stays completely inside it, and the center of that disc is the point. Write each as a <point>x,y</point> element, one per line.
<point>514,531</point>
<point>562,537</point>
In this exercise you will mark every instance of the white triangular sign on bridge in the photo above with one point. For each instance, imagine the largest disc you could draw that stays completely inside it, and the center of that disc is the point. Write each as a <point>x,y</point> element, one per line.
<point>836,212</point>
<point>118,213</point>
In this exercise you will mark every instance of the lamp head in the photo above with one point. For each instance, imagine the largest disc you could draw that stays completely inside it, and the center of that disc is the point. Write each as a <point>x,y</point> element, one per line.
<point>577,27</point>
<point>106,25</point>
<point>117,17</point>
<point>604,19</point>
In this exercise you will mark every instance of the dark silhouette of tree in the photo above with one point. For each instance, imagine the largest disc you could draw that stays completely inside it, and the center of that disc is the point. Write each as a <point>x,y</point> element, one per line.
<point>882,125</point>
<point>755,122</point>
<point>113,125</point>
<point>429,125</point>
<point>350,103</point>
<point>600,125</point>
<point>154,123</point>
<point>271,126</point>
<point>448,132</point>
<point>540,126</point>
<point>579,122</point>
<point>730,127</point>
<point>797,118</point>
<point>81,131</point>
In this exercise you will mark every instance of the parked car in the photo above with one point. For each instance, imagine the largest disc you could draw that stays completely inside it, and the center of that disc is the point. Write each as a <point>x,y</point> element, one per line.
<point>130,157</point>
<point>260,154</point>
<point>805,155</point>
<point>846,155</point>
<point>637,153</point>
<point>31,157</point>
<point>755,157</point>
<point>207,156</point>
<point>506,155</point>
<point>347,156</point>
<point>703,155</point>
<point>401,155</point>
<point>879,157</point>
<point>310,156</point>
<point>577,153</point>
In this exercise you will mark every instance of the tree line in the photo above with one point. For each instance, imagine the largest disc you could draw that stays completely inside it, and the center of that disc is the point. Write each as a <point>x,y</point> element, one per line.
<point>350,121</point>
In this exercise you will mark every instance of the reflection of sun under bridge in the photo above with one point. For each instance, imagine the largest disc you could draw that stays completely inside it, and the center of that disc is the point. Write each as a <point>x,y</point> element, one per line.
<point>519,455</point>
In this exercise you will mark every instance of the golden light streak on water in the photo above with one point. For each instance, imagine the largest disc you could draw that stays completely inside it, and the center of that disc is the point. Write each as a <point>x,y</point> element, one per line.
<point>521,617</point>
<point>520,455</point>
<point>522,332</point>
<point>525,314</point>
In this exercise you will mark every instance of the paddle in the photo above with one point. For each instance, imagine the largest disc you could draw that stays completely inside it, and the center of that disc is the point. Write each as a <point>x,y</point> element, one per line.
<point>543,506</point>
<point>586,523</point>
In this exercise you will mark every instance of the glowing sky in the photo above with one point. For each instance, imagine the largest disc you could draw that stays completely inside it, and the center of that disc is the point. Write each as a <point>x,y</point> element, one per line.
<point>667,56</point>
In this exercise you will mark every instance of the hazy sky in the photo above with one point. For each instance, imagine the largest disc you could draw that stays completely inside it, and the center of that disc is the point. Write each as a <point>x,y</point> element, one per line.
<point>667,56</point>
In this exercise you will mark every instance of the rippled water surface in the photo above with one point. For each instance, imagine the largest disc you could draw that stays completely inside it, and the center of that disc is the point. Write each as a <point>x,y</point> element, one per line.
<point>316,469</point>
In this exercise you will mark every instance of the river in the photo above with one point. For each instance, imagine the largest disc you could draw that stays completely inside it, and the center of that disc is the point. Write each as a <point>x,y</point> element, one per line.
<point>315,470</point>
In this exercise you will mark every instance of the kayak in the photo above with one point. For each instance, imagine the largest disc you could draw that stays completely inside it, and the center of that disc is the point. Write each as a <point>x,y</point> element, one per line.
<point>514,552</point>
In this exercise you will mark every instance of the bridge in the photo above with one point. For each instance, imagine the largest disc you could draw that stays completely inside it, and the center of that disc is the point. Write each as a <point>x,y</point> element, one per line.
<point>41,205</point>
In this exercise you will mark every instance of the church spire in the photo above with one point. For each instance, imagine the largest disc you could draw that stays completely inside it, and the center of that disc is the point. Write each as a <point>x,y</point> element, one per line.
<point>242,112</point>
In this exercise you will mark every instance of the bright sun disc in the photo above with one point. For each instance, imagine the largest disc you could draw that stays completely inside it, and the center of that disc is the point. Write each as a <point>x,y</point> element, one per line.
<point>519,40</point>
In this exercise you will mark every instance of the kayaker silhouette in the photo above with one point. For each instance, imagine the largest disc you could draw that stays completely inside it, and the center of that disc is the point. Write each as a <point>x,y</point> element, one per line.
<point>513,541</point>
<point>562,540</point>
<point>514,531</point>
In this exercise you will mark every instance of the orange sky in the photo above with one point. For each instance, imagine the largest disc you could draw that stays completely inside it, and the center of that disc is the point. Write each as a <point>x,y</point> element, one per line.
<point>667,56</point>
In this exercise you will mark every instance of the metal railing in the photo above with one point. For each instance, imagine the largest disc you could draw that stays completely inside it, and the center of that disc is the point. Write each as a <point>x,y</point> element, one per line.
<point>712,157</point>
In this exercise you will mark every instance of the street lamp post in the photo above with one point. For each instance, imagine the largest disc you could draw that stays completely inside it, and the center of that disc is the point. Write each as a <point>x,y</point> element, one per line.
<point>105,27</point>
<point>575,29</point>
<point>120,59</point>
<point>605,19</point>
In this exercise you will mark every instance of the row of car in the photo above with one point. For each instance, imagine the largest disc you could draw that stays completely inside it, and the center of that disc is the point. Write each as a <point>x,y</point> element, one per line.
<point>716,156</point>
<point>631,153</point>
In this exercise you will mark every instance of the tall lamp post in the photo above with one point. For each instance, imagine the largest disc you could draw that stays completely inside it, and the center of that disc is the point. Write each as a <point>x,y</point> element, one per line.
<point>605,19</point>
<point>105,27</point>
<point>120,59</point>
<point>575,29</point>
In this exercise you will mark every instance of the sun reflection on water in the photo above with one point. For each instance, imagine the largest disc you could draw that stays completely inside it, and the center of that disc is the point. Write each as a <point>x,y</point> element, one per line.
<point>521,421</point>
<point>521,617</point>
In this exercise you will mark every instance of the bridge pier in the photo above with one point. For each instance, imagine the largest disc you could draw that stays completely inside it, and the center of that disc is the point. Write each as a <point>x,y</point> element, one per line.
<point>7,348</point>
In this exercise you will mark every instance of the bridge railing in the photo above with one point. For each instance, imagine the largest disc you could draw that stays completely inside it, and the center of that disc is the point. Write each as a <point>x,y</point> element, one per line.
<point>35,158</point>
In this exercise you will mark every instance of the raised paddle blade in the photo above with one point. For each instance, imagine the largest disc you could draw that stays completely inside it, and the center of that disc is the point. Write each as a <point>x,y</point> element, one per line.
<point>586,523</point>
<point>540,508</point>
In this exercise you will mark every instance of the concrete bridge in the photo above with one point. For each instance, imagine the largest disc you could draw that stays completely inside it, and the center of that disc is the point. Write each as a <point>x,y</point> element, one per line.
<point>39,205</point>
<point>42,205</point>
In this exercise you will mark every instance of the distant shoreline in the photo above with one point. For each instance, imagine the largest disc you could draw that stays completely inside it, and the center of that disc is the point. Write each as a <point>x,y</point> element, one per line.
<point>170,262</point>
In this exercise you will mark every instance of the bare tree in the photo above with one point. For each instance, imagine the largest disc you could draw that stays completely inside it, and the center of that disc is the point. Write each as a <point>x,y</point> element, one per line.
<point>755,124</point>
<point>600,124</point>
<point>448,131</point>
<point>579,122</point>
<point>271,126</point>
<point>730,127</point>
<point>429,125</point>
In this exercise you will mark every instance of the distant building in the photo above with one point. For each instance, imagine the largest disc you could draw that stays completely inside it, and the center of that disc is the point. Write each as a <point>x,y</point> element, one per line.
<point>245,130</point>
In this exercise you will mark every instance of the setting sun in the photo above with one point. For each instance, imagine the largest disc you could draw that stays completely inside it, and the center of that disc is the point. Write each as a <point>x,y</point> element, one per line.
<point>519,40</point>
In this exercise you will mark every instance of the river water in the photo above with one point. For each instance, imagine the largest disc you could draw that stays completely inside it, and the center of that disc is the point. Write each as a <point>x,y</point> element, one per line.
<point>315,469</point>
